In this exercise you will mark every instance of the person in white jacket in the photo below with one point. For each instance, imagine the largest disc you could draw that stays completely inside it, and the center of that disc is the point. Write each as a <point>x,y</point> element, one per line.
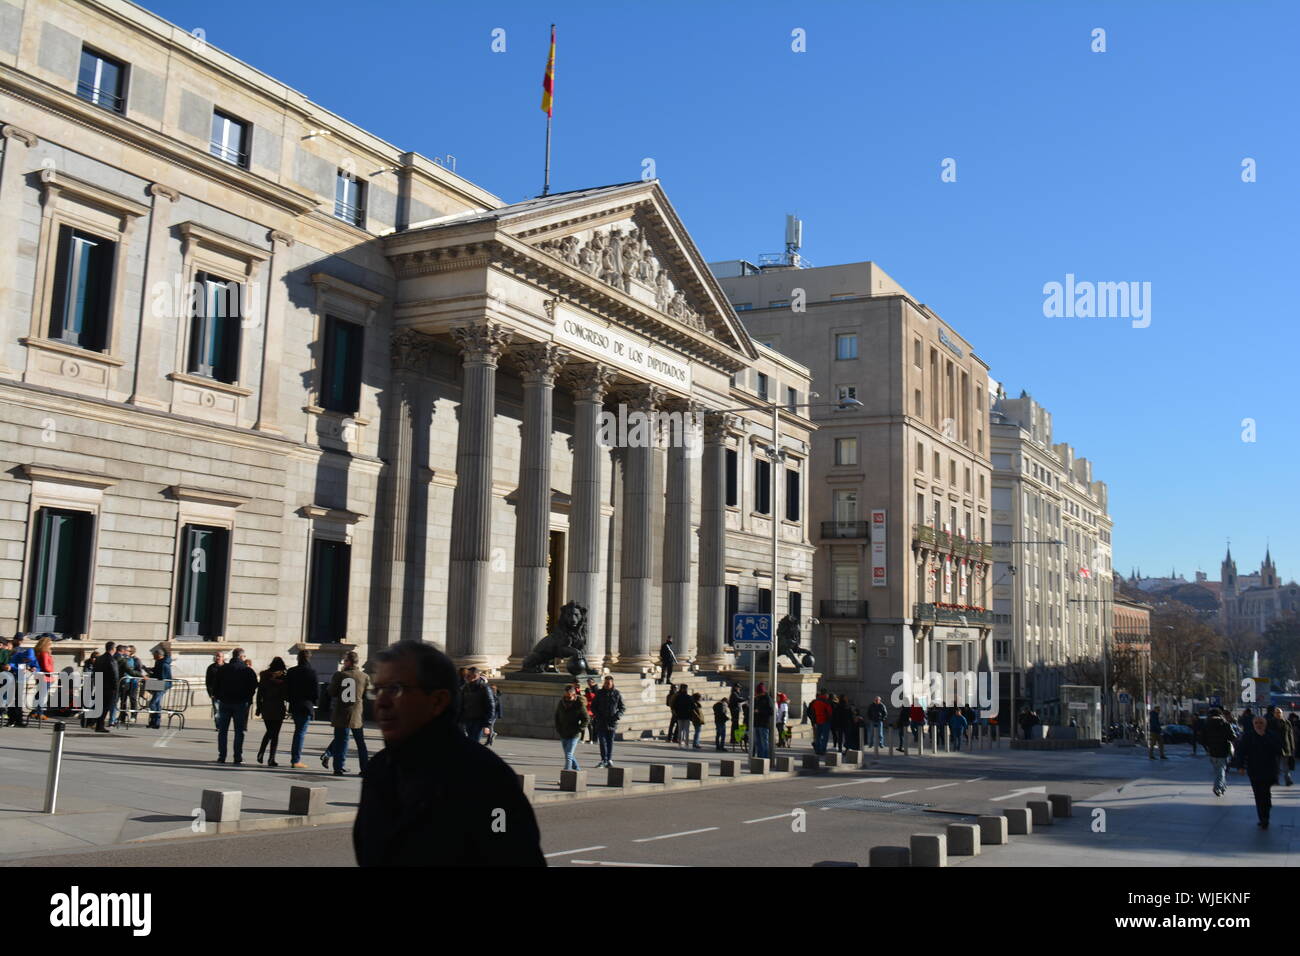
<point>782,715</point>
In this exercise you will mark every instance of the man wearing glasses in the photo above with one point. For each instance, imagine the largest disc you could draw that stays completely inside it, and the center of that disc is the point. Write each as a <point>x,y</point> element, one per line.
<point>433,797</point>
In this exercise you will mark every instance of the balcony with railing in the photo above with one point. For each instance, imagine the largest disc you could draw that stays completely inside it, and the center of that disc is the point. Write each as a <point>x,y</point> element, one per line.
<point>935,539</point>
<point>952,614</point>
<point>856,610</point>
<point>844,529</point>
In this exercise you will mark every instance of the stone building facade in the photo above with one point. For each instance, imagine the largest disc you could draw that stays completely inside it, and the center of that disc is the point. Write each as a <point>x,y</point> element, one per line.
<point>266,379</point>
<point>900,496</point>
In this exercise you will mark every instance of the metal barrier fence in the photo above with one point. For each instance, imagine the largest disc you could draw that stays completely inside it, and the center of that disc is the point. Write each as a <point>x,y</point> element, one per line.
<point>171,697</point>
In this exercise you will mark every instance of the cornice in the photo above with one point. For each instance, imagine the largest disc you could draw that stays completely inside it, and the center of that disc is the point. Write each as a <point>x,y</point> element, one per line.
<point>63,476</point>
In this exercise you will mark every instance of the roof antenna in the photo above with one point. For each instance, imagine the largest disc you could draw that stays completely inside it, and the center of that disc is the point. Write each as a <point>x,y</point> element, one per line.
<point>793,239</point>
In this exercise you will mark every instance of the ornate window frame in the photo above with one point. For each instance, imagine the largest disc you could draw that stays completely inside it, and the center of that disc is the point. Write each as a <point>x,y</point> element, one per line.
<point>350,303</point>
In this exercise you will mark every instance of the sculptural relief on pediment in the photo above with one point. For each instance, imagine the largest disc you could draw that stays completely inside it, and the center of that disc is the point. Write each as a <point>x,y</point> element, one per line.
<point>622,256</point>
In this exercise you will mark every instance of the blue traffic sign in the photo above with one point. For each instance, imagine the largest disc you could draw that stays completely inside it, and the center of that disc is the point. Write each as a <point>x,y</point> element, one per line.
<point>751,632</point>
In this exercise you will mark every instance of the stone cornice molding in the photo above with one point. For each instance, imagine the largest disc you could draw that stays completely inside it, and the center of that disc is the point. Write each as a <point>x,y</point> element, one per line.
<point>63,476</point>
<point>482,343</point>
<point>54,181</point>
<point>192,232</point>
<point>342,515</point>
<point>206,497</point>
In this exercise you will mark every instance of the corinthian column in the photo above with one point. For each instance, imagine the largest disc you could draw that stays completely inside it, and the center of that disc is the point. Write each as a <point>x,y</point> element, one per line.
<point>682,448</point>
<point>589,382</point>
<point>538,365</point>
<point>638,542</point>
<point>471,509</point>
<point>713,546</point>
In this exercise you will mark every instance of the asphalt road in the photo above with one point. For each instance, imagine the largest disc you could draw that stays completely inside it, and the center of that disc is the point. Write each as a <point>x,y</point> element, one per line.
<point>795,822</point>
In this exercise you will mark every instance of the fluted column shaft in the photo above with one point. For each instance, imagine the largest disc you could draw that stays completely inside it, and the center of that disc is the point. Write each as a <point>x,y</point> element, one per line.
<point>637,582</point>
<point>589,383</point>
<point>538,366</point>
<point>471,510</point>
<point>681,437</point>
<point>713,548</point>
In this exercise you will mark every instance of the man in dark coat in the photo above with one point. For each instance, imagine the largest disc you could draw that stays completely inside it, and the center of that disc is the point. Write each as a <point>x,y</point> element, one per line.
<point>666,661</point>
<point>433,797</point>
<point>106,675</point>
<point>607,710</point>
<point>210,680</point>
<point>302,687</point>
<point>1280,726</point>
<point>1258,752</point>
<point>1216,736</point>
<point>236,685</point>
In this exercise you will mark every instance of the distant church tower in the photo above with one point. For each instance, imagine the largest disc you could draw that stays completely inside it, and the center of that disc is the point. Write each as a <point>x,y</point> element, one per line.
<point>1228,577</point>
<point>1268,571</point>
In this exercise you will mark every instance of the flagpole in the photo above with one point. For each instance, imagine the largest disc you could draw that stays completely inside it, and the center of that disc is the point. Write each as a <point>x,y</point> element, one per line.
<point>548,87</point>
<point>546,185</point>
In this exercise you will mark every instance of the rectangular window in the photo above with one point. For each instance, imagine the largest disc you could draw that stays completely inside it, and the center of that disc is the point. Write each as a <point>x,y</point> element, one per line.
<point>101,81</point>
<point>967,486</point>
<point>844,393</point>
<point>916,352</point>
<point>846,346</point>
<point>1002,648</point>
<point>938,465</point>
<point>952,473</point>
<point>791,495</point>
<point>214,328</point>
<point>742,306</point>
<point>981,487</point>
<point>920,457</point>
<point>200,611</point>
<point>791,398</point>
<point>762,486</point>
<point>761,388</point>
<point>340,389</point>
<point>796,605</point>
<point>733,603</point>
<point>229,139</point>
<point>350,199</point>
<point>327,616</point>
<point>844,582</point>
<point>846,451</point>
<point>918,405</point>
<point>764,600</point>
<point>61,571</point>
<point>83,278</point>
<point>733,478</point>
<point>845,504</point>
<point>843,660</point>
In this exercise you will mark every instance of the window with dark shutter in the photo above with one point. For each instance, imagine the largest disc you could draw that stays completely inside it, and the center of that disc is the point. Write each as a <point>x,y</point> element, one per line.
<point>733,482</point>
<point>762,486</point>
<point>341,371</point>
<point>61,571</point>
<point>83,277</point>
<point>215,329</point>
<point>327,619</point>
<point>791,495</point>
<point>200,611</point>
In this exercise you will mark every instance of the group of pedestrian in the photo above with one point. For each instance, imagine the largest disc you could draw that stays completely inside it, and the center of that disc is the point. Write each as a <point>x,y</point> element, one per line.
<point>121,676</point>
<point>600,709</point>
<point>958,722</point>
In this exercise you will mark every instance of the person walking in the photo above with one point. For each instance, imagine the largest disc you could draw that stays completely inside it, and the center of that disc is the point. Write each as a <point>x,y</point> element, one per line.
<point>129,696</point>
<point>1282,727</point>
<point>821,713</point>
<point>589,695</point>
<point>877,717</point>
<point>1027,721</point>
<point>720,716</point>
<point>607,710</point>
<point>432,798</point>
<point>161,670</point>
<point>783,733</point>
<point>236,686</point>
<point>762,723</point>
<point>301,689</point>
<point>570,719</point>
<point>1258,752</point>
<point>210,682</point>
<point>348,693</point>
<point>495,716</point>
<point>903,721</point>
<point>476,705</point>
<point>683,708</point>
<point>1216,737</point>
<point>667,660</point>
<point>917,720</point>
<point>22,661</point>
<point>672,713</point>
<point>104,681</point>
<point>44,674</point>
<point>272,694</point>
<point>697,718</point>
<point>1156,735</point>
<point>838,721</point>
<point>957,725</point>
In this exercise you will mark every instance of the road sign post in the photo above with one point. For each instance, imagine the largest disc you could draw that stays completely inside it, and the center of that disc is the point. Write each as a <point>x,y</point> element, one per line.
<point>752,633</point>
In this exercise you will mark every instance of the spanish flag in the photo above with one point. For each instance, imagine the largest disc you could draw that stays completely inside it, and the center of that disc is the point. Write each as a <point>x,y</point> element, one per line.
<point>548,81</point>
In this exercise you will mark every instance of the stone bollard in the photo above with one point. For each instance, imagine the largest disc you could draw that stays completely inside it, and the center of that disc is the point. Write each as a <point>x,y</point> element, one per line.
<point>963,839</point>
<point>697,770</point>
<point>1018,821</point>
<point>1041,811</point>
<point>929,849</point>
<point>993,830</point>
<point>811,762</point>
<point>573,781</point>
<point>221,806</point>
<point>527,783</point>
<point>661,773</point>
<point>728,768</point>
<point>853,758</point>
<point>1062,805</point>
<point>782,764</point>
<point>759,765</point>
<point>831,758</point>
<point>307,801</point>
<point>889,856</point>
<point>617,777</point>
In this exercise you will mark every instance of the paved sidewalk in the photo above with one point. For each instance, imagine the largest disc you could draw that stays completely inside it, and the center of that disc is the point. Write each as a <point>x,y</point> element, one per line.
<point>1167,817</point>
<point>139,784</point>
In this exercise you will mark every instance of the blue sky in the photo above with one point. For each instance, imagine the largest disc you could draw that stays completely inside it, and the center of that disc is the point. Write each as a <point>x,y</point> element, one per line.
<point>1115,166</point>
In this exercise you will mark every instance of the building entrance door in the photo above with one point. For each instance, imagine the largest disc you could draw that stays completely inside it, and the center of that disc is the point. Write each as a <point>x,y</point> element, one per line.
<point>555,562</point>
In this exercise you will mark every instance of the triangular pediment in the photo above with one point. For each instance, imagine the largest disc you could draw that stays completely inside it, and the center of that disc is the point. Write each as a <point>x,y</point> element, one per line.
<point>629,238</point>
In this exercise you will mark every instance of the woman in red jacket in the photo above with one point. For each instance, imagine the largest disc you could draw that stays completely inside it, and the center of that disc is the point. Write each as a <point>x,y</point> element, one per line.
<point>45,661</point>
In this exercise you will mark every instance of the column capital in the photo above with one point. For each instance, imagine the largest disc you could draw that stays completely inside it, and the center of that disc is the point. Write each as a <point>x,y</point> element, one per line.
<point>539,362</point>
<point>482,343</point>
<point>411,350</point>
<point>716,426</point>
<point>14,132</point>
<point>158,189</point>
<point>590,381</point>
<point>641,398</point>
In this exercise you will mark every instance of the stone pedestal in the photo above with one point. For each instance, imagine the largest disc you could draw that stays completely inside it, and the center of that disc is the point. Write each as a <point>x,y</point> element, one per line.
<point>929,849</point>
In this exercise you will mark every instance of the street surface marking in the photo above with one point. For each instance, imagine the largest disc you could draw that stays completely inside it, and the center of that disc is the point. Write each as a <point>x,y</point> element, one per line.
<point>854,783</point>
<point>942,785</point>
<point>974,779</point>
<point>669,836</point>
<point>897,794</point>
<point>1019,793</point>
<point>612,863</point>
<point>585,849</point>
<point>779,816</point>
